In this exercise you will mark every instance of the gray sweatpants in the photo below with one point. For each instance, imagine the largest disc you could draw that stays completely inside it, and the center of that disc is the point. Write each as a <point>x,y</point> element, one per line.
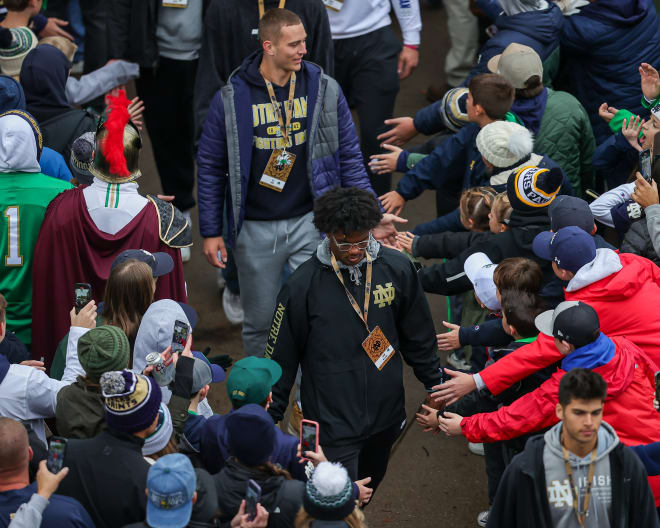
<point>262,250</point>
<point>464,38</point>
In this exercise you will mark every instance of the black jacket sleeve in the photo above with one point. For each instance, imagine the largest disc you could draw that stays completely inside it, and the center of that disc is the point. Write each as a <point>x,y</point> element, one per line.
<point>285,344</point>
<point>449,278</point>
<point>448,244</point>
<point>488,333</point>
<point>639,505</point>
<point>416,332</point>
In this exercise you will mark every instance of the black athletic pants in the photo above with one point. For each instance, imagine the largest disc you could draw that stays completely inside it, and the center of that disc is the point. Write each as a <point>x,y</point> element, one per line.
<point>365,68</point>
<point>368,458</point>
<point>167,92</point>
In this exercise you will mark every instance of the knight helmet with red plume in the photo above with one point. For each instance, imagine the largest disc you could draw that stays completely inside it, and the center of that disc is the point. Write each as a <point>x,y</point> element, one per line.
<point>117,144</point>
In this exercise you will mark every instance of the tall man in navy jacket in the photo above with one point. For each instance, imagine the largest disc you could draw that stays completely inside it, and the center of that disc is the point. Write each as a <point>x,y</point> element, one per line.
<point>266,163</point>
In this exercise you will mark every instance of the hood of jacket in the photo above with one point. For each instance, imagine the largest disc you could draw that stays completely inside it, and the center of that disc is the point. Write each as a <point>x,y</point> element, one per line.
<point>525,225</point>
<point>206,505</point>
<point>18,146</point>
<point>607,441</point>
<point>606,277</point>
<point>43,76</point>
<point>500,176</point>
<point>355,272</point>
<point>531,110</point>
<point>590,356</point>
<point>543,25</point>
<point>231,483</point>
<point>617,12</point>
<point>155,335</point>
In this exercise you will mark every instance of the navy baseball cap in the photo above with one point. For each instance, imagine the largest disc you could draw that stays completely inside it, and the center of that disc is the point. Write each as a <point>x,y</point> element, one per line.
<point>160,263</point>
<point>217,372</point>
<point>171,484</point>
<point>567,211</point>
<point>570,247</point>
<point>571,321</point>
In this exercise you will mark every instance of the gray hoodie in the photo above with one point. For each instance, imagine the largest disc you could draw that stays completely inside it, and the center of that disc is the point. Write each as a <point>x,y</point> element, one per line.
<point>155,335</point>
<point>560,498</point>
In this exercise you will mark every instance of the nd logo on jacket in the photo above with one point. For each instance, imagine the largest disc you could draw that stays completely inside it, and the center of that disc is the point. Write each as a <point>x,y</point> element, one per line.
<point>383,296</point>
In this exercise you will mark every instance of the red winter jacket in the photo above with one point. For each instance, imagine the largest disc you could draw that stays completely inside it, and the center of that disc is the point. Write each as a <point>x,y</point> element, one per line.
<point>626,301</point>
<point>628,407</point>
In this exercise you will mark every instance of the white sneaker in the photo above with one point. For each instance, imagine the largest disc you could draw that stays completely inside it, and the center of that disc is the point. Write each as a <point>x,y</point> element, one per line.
<point>458,363</point>
<point>482,518</point>
<point>476,449</point>
<point>231,304</point>
<point>185,254</point>
<point>220,280</point>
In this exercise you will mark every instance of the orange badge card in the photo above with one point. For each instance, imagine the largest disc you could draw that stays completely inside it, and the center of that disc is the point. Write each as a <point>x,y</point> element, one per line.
<point>378,348</point>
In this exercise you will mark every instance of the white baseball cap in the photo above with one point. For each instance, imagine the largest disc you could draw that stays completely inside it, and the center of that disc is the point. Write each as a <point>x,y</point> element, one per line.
<point>479,269</point>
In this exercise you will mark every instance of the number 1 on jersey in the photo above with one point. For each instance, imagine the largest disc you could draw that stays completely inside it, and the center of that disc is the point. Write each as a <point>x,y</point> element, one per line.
<point>13,258</point>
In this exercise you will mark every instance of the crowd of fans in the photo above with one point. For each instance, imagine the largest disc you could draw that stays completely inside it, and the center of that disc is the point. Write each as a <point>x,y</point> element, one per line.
<point>542,155</point>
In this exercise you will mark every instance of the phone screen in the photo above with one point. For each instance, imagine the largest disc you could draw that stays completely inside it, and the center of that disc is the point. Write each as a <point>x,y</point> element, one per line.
<point>82,295</point>
<point>252,498</point>
<point>56,451</point>
<point>657,385</point>
<point>645,164</point>
<point>308,437</point>
<point>179,336</point>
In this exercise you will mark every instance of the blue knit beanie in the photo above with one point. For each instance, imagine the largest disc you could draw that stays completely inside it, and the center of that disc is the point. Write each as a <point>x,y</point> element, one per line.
<point>132,400</point>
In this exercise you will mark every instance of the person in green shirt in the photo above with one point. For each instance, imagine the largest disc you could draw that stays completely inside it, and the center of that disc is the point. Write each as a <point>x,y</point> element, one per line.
<point>24,196</point>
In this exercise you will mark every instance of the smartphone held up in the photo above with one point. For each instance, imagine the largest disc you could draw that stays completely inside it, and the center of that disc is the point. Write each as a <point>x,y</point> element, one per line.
<point>82,294</point>
<point>309,437</point>
<point>252,498</point>
<point>56,452</point>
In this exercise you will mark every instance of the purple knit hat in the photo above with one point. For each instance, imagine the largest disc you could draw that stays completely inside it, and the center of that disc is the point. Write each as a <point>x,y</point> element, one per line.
<point>132,400</point>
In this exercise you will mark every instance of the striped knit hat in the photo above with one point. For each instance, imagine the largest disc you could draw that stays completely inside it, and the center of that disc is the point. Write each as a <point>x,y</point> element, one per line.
<point>11,59</point>
<point>329,494</point>
<point>132,400</point>
<point>531,188</point>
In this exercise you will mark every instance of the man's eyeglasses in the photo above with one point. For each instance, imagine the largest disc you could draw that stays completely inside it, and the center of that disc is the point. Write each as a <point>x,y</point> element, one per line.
<point>346,246</point>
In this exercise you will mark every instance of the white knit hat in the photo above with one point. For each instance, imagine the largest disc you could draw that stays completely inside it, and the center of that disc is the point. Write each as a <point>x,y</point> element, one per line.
<point>504,143</point>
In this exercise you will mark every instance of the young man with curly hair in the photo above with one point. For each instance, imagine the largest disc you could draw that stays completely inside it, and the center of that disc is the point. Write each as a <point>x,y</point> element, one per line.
<point>349,316</point>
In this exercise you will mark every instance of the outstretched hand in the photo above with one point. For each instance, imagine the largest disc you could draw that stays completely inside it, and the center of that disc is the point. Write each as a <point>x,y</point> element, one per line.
<point>454,389</point>
<point>607,112</point>
<point>650,81</point>
<point>630,131</point>
<point>386,230</point>
<point>450,424</point>
<point>449,340</point>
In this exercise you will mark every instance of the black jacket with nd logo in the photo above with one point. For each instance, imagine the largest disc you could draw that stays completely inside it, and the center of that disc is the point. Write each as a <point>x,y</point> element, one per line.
<point>315,326</point>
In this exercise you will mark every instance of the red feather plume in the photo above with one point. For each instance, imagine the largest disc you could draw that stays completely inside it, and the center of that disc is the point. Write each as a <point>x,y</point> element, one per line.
<point>114,140</point>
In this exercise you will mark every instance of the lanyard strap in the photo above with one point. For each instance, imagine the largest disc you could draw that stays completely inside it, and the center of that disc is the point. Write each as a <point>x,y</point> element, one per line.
<point>262,9</point>
<point>367,289</point>
<point>285,127</point>
<point>574,490</point>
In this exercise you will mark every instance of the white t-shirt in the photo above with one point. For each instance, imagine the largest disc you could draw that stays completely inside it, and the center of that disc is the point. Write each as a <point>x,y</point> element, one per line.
<point>359,17</point>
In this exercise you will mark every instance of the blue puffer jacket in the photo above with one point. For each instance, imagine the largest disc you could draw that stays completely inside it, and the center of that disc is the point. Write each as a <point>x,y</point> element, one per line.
<point>225,148</point>
<point>602,47</point>
<point>537,29</point>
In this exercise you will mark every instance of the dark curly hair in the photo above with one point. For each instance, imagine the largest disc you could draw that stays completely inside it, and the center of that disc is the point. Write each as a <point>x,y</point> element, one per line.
<point>346,210</point>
